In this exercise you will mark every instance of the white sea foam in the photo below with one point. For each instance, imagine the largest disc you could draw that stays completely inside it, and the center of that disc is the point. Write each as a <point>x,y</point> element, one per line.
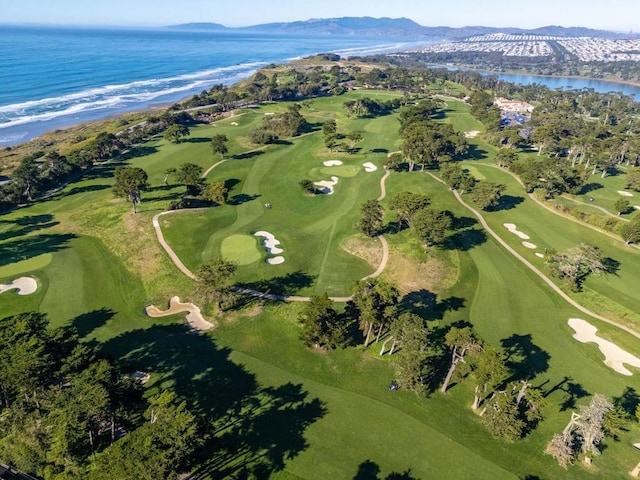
<point>111,96</point>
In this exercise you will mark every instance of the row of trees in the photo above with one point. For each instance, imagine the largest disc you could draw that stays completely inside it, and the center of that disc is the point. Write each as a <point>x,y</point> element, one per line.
<point>64,410</point>
<point>43,171</point>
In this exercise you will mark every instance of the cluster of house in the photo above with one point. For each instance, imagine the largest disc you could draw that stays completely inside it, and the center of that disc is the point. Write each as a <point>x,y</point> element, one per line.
<point>587,49</point>
<point>508,49</point>
<point>602,49</point>
<point>513,112</point>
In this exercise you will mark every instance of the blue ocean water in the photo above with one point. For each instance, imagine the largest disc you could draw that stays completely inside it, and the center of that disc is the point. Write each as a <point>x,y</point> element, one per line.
<point>56,77</point>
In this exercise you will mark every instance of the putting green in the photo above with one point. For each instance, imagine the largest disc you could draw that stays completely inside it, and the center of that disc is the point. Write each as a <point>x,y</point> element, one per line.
<point>241,249</point>
<point>29,265</point>
<point>341,171</point>
<point>475,173</point>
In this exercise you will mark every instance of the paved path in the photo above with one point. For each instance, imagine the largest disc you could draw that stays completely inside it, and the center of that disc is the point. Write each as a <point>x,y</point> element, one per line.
<point>563,215</point>
<point>534,269</point>
<point>267,296</point>
<point>603,210</point>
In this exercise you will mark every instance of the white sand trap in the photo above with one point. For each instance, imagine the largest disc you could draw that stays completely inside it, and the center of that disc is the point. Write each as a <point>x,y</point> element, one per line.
<point>142,377</point>
<point>529,245</point>
<point>194,317</point>
<point>625,194</point>
<point>369,167</point>
<point>637,207</point>
<point>22,285</point>
<point>235,124</point>
<point>614,356</point>
<point>275,260</point>
<point>326,186</point>
<point>539,255</point>
<point>332,163</point>
<point>513,229</point>
<point>472,134</point>
<point>270,242</point>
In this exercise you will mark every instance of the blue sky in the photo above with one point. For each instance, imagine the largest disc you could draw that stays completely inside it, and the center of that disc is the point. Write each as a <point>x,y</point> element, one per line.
<point>620,15</point>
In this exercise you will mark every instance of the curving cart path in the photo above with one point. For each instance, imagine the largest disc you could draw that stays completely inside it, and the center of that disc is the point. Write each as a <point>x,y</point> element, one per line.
<point>267,296</point>
<point>534,269</point>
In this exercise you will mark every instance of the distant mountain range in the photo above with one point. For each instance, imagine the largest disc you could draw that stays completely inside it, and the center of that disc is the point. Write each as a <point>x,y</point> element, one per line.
<point>390,27</point>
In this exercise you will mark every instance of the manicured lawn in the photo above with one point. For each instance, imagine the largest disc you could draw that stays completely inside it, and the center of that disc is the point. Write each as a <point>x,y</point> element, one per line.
<point>98,265</point>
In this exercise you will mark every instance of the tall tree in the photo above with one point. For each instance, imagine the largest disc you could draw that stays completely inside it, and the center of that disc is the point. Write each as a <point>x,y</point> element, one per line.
<point>460,340</point>
<point>189,175</point>
<point>405,204</point>
<point>376,302</point>
<point>321,325</point>
<point>487,194</point>
<point>129,184</point>
<point>577,263</point>
<point>490,371</point>
<point>175,132</point>
<point>216,192</point>
<point>371,217</point>
<point>219,144</point>
<point>411,364</point>
<point>431,225</point>
<point>214,281</point>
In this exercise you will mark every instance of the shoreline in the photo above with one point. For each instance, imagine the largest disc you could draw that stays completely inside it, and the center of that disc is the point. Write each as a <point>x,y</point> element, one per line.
<point>525,73</point>
<point>65,125</point>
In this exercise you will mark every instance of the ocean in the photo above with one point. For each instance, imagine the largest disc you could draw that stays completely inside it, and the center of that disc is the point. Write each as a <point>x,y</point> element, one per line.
<point>53,77</point>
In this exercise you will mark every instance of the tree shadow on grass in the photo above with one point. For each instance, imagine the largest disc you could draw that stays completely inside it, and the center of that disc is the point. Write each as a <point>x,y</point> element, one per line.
<point>289,284</point>
<point>29,224</point>
<point>507,202</point>
<point>572,392</point>
<point>86,323</point>
<point>248,155</point>
<point>426,304</point>
<point>83,189</point>
<point>242,198</point>
<point>196,140</point>
<point>590,187</point>
<point>369,470</point>
<point>524,357</point>
<point>254,429</point>
<point>25,248</point>
<point>465,240</point>
<point>475,153</point>
<point>628,401</point>
<point>138,151</point>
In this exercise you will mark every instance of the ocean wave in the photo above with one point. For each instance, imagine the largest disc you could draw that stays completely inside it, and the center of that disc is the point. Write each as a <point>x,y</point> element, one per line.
<point>117,96</point>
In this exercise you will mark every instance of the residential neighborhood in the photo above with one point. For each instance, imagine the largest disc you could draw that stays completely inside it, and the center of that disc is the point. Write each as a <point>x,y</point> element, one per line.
<point>586,49</point>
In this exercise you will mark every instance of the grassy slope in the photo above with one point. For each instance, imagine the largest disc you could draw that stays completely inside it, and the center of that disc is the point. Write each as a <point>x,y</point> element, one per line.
<point>114,264</point>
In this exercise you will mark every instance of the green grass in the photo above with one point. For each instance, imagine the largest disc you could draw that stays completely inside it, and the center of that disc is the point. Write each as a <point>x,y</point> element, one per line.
<point>98,265</point>
<point>240,249</point>
<point>25,266</point>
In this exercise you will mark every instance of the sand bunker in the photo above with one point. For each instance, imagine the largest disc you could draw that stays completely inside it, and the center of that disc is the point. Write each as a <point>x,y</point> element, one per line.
<point>194,317</point>
<point>270,242</point>
<point>513,229</point>
<point>22,285</point>
<point>529,245</point>
<point>275,260</point>
<point>326,186</point>
<point>539,255</point>
<point>142,377</point>
<point>235,124</point>
<point>637,207</point>
<point>472,134</point>
<point>614,356</point>
<point>625,194</point>
<point>369,167</point>
<point>332,163</point>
